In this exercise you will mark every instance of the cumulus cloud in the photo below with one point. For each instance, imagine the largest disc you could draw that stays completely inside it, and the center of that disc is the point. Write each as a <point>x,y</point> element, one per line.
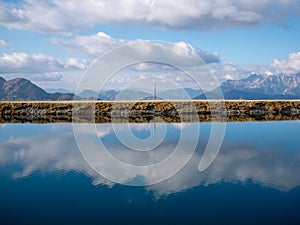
<point>229,70</point>
<point>37,63</point>
<point>97,44</point>
<point>207,57</point>
<point>91,45</point>
<point>46,68</point>
<point>73,15</point>
<point>291,65</point>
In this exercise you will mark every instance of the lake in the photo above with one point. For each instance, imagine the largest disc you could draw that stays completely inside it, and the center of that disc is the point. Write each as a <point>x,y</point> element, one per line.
<point>62,174</point>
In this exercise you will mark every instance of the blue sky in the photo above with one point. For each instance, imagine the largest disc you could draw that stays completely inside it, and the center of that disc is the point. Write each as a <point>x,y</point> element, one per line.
<point>53,42</point>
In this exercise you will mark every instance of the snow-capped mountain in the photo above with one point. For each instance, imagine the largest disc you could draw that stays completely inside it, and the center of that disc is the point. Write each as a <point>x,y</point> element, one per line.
<point>268,85</point>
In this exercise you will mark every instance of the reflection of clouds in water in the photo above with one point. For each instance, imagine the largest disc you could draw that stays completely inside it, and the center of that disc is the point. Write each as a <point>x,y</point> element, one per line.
<point>103,159</point>
<point>59,127</point>
<point>269,167</point>
<point>103,130</point>
<point>106,129</point>
<point>49,153</point>
<point>55,151</point>
<point>179,126</point>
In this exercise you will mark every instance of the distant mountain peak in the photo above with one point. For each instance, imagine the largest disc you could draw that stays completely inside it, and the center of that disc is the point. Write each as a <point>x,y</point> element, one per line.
<point>255,76</point>
<point>2,81</point>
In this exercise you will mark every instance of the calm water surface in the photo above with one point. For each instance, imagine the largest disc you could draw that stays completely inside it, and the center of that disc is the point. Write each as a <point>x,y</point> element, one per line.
<point>255,178</point>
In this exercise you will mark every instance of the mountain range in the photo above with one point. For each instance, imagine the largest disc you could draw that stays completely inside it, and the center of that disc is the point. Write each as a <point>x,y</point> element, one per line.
<point>252,87</point>
<point>138,94</point>
<point>260,87</point>
<point>23,89</point>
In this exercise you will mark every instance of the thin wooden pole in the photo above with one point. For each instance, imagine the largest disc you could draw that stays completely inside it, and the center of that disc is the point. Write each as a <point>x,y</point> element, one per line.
<point>154,91</point>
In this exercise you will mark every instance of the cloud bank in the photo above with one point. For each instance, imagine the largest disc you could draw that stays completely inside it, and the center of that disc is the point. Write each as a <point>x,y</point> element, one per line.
<point>41,67</point>
<point>96,45</point>
<point>37,63</point>
<point>291,65</point>
<point>67,16</point>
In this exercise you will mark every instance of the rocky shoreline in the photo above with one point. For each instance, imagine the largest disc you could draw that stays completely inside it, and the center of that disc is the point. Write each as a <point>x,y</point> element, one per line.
<point>148,110</point>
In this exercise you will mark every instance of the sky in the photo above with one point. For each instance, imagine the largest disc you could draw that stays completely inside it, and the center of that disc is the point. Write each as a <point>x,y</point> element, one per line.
<point>54,42</point>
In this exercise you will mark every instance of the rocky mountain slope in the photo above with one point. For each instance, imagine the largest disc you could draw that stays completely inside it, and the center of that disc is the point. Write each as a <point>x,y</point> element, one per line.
<point>22,89</point>
<point>268,85</point>
<point>261,87</point>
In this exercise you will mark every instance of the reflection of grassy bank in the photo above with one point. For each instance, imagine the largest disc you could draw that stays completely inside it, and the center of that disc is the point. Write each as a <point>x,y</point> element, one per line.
<point>145,111</point>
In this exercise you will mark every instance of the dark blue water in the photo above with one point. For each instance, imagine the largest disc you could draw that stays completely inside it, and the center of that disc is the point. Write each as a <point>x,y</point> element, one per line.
<point>255,178</point>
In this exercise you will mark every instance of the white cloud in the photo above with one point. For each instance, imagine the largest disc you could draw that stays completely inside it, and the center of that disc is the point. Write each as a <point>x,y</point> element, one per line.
<point>53,76</point>
<point>91,45</point>
<point>37,63</point>
<point>268,73</point>
<point>69,16</point>
<point>207,57</point>
<point>39,67</point>
<point>228,70</point>
<point>291,65</point>
<point>2,43</point>
<point>97,44</point>
<point>37,77</point>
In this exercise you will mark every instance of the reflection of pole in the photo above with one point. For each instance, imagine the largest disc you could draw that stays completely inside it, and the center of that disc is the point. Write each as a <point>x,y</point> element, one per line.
<point>153,122</point>
<point>154,96</point>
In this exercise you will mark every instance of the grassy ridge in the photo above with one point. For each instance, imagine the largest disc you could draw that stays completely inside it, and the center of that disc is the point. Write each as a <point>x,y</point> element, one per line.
<point>146,110</point>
